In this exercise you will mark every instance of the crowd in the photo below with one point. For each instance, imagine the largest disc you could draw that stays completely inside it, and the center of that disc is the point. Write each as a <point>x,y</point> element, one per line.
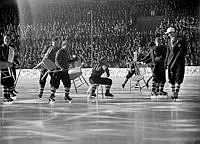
<point>95,28</point>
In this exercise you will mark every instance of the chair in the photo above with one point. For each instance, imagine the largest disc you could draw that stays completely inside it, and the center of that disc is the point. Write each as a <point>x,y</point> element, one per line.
<point>97,87</point>
<point>6,65</point>
<point>138,77</point>
<point>75,74</point>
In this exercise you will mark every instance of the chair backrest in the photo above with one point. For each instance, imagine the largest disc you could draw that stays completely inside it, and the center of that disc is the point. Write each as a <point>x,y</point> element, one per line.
<point>75,72</point>
<point>48,64</point>
<point>4,65</point>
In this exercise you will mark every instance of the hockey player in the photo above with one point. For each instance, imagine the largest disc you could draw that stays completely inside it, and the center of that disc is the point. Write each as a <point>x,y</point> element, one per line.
<point>48,52</point>
<point>95,78</point>
<point>132,68</point>
<point>7,54</point>
<point>175,60</point>
<point>62,61</point>
<point>156,57</point>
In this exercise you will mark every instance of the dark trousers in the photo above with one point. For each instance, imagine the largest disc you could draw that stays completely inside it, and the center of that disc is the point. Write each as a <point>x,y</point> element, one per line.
<point>61,76</point>
<point>176,73</point>
<point>7,82</point>
<point>42,80</point>
<point>100,80</point>
<point>159,75</point>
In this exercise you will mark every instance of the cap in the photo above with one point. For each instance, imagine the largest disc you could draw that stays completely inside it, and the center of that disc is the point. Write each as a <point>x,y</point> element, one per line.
<point>170,29</point>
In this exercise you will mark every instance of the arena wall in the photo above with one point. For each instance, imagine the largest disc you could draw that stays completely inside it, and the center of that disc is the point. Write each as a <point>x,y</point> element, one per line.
<point>114,72</point>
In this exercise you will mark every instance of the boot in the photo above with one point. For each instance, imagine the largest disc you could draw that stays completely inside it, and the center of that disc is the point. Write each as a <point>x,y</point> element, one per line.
<point>13,95</point>
<point>16,92</point>
<point>7,99</point>
<point>51,99</point>
<point>154,94</point>
<point>40,95</point>
<point>108,94</point>
<point>174,95</point>
<point>124,83</point>
<point>93,95</point>
<point>163,93</point>
<point>67,98</point>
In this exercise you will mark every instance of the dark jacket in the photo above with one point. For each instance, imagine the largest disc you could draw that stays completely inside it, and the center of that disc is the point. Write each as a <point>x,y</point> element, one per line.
<point>177,53</point>
<point>98,70</point>
<point>63,59</point>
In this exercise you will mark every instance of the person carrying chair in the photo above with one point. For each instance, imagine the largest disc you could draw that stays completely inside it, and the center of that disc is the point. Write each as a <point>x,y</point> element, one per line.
<point>7,54</point>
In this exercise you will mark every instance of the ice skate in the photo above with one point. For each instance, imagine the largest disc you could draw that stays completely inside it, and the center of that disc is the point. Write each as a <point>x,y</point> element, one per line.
<point>51,99</point>
<point>154,94</point>
<point>13,95</point>
<point>7,100</point>
<point>93,95</point>
<point>174,96</point>
<point>109,95</point>
<point>16,92</point>
<point>137,85</point>
<point>40,95</point>
<point>123,85</point>
<point>163,93</point>
<point>68,99</point>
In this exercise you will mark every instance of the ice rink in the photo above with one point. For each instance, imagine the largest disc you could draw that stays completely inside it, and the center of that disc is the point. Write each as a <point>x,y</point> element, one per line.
<point>129,118</point>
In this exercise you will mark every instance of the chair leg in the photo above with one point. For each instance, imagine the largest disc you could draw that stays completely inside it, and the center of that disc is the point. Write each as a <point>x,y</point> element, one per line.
<point>102,91</point>
<point>89,89</point>
<point>85,80</point>
<point>75,87</point>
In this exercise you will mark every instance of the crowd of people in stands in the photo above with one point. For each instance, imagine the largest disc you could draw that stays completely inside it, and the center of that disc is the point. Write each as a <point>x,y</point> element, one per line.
<point>94,29</point>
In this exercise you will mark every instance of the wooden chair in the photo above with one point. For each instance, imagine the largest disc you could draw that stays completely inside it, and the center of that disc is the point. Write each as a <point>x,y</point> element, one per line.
<point>97,89</point>
<point>138,77</point>
<point>76,74</point>
<point>6,65</point>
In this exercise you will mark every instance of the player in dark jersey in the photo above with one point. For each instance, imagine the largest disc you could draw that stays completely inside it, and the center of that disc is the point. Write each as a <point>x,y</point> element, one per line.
<point>156,57</point>
<point>175,60</point>
<point>48,52</point>
<point>7,76</point>
<point>62,61</point>
<point>95,78</point>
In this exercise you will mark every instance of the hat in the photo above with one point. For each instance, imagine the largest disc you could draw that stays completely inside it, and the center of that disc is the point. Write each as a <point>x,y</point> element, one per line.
<point>170,29</point>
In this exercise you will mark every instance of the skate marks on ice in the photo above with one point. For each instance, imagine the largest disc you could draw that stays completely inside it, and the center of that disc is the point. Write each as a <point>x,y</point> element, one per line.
<point>129,118</point>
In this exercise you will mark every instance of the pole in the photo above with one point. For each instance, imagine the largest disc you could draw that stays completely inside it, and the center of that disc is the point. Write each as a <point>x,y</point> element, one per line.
<point>91,36</point>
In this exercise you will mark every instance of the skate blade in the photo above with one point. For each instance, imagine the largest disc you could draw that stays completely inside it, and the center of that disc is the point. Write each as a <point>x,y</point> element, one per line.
<point>14,98</point>
<point>92,97</point>
<point>51,102</point>
<point>68,101</point>
<point>7,103</point>
<point>162,96</point>
<point>108,97</point>
<point>154,97</point>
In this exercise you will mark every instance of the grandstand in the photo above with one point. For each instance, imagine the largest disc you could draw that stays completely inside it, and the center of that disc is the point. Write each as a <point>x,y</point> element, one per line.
<point>116,26</point>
